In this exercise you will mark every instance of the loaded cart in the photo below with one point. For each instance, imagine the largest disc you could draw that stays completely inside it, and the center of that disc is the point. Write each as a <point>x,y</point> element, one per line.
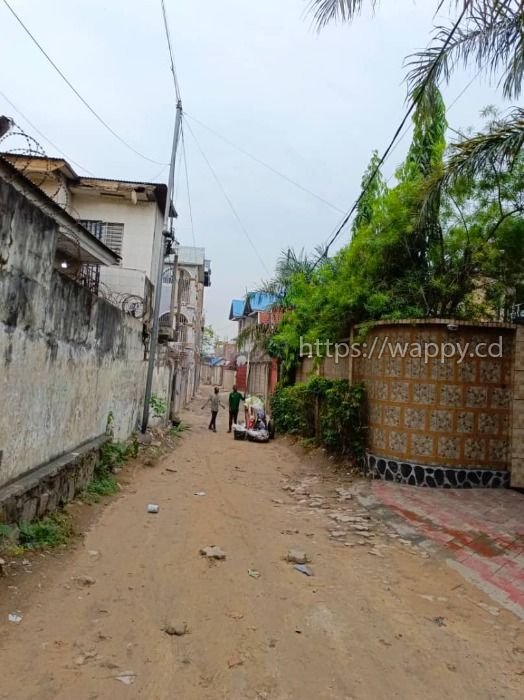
<point>258,425</point>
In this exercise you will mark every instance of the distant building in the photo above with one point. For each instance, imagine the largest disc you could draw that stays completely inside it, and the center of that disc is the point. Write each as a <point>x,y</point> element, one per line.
<point>182,318</point>
<point>256,372</point>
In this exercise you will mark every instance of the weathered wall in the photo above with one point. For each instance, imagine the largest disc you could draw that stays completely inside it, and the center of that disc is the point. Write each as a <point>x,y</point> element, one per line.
<point>67,358</point>
<point>517,411</point>
<point>451,413</point>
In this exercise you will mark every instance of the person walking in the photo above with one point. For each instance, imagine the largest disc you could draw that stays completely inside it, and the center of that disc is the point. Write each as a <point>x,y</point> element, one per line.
<point>235,397</point>
<point>215,402</point>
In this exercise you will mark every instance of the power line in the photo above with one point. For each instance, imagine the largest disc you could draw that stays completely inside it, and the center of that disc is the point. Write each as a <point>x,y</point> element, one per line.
<point>391,144</point>
<point>228,200</point>
<point>72,87</point>
<point>37,130</point>
<point>187,185</point>
<point>266,165</point>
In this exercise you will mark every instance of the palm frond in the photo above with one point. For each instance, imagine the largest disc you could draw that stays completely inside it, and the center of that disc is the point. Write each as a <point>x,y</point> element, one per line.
<point>502,144</point>
<point>490,35</point>
<point>326,11</point>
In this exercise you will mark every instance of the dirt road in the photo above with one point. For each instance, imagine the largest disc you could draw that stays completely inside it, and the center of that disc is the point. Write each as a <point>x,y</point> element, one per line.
<point>377,620</point>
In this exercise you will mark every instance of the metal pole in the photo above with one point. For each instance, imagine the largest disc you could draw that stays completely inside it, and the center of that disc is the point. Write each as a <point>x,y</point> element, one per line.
<point>153,343</point>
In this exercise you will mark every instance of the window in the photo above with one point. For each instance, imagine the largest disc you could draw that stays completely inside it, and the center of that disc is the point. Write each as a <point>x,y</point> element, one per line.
<point>184,287</point>
<point>111,234</point>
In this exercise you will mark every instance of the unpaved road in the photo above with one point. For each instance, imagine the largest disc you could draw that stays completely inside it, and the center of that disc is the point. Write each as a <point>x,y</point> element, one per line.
<point>393,624</point>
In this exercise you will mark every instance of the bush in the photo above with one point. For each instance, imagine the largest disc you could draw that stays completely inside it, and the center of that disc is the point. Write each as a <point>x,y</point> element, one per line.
<point>328,410</point>
<point>52,531</point>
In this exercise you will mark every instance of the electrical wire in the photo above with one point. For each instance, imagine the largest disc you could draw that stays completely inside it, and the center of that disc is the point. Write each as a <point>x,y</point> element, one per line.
<point>37,130</point>
<point>266,165</point>
<point>391,144</point>
<point>187,185</point>
<point>228,200</point>
<point>77,93</point>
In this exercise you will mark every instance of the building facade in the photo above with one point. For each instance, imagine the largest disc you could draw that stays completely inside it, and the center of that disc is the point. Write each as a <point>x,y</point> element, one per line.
<point>182,318</point>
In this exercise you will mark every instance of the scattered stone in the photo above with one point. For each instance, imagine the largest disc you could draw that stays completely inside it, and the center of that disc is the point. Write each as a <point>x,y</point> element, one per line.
<point>236,615</point>
<point>86,656</point>
<point>337,533</point>
<point>108,664</point>
<point>199,493</point>
<point>145,438</point>
<point>153,508</point>
<point>489,608</point>
<point>451,667</point>
<point>360,527</point>
<point>273,643</point>
<point>3,567</point>
<point>234,661</point>
<point>297,556</point>
<point>15,617</point>
<point>179,629</point>
<point>213,552</point>
<point>344,494</point>
<point>303,569</point>
<point>289,532</point>
<point>376,553</point>
<point>278,501</point>
<point>173,471</point>
<point>439,621</point>
<point>84,580</point>
<point>127,677</point>
<point>94,553</point>
<point>253,573</point>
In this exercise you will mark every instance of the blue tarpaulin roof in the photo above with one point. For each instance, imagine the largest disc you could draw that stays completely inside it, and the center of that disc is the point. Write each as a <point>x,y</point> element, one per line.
<point>237,309</point>
<point>259,301</point>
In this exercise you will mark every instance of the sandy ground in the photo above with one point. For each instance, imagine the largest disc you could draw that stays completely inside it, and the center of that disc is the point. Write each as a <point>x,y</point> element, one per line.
<point>377,620</point>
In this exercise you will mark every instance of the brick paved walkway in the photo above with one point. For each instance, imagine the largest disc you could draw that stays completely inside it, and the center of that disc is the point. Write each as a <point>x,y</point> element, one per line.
<point>481,529</point>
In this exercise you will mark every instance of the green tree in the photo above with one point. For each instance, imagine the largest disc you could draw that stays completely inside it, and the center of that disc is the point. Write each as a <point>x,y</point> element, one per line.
<point>486,34</point>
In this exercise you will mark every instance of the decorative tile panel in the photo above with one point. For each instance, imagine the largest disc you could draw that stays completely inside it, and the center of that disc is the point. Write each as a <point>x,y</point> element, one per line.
<point>490,371</point>
<point>476,397</point>
<point>422,445</point>
<point>465,420</point>
<point>488,423</point>
<point>399,391</point>
<point>441,421</point>
<point>415,418</point>
<point>451,395</point>
<point>449,447</point>
<point>392,415</point>
<point>475,449</point>
<point>424,393</point>
<point>398,441</point>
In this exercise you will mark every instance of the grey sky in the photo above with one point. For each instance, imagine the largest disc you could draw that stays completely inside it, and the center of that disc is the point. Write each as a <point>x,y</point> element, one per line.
<point>313,106</point>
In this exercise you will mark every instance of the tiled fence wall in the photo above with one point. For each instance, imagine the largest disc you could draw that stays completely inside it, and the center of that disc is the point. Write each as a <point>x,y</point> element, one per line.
<point>428,412</point>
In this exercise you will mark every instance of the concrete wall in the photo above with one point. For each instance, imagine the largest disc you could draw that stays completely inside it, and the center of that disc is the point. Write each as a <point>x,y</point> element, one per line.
<point>67,358</point>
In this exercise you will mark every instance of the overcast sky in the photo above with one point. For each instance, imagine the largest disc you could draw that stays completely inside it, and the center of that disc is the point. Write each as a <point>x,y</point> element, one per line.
<point>312,106</point>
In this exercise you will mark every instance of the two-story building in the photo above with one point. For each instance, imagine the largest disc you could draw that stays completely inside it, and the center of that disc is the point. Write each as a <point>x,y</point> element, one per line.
<point>127,216</point>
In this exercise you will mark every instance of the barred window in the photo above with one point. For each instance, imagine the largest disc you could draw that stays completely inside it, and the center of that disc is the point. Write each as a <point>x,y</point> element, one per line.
<point>110,233</point>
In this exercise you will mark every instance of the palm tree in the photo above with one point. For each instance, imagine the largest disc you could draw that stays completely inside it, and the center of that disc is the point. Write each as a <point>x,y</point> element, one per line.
<point>488,34</point>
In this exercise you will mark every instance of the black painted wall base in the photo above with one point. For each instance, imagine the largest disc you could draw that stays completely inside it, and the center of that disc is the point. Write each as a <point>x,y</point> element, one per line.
<point>435,477</point>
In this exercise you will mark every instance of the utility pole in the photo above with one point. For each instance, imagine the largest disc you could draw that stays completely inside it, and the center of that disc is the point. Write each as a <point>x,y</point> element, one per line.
<point>166,234</point>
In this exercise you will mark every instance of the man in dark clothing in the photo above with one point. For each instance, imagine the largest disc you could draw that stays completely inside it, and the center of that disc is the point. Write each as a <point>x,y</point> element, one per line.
<point>235,397</point>
<point>215,403</point>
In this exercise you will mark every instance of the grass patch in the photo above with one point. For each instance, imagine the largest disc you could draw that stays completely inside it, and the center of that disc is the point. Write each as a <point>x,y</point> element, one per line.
<point>177,430</point>
<point>52,531</point>
<point>112,455</point>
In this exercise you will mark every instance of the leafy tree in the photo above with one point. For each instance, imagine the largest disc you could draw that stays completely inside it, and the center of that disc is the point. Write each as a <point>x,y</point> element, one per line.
<point>487,34</point>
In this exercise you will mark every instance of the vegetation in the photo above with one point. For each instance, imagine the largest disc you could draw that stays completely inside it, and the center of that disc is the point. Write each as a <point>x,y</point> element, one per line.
<point>112,455</point>
<point>486,34</point>
<point>326,411</point>
<point>52,531</point>
<point>177,430</point>
<point>158,405</point>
